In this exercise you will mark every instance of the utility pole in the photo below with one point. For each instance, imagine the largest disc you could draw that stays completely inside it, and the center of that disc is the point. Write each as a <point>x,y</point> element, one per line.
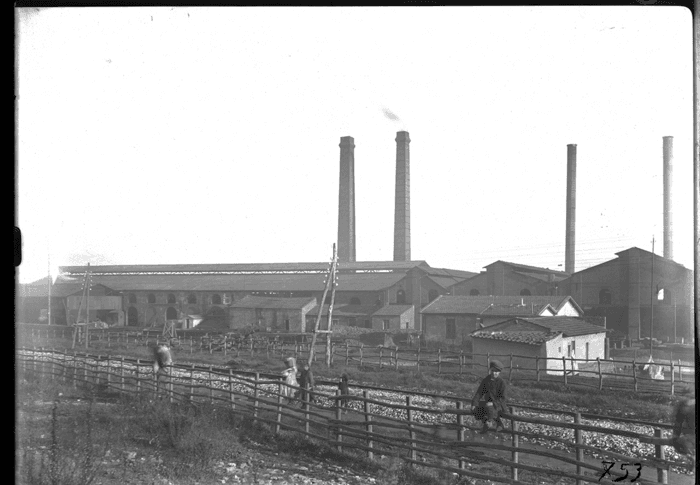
<point>329,281</point>
<point>651,324</point>
<point>333,277</point>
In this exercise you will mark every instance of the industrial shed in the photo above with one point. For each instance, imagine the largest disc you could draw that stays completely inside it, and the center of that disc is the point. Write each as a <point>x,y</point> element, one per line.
<point>456,317</point>
<point>343,315</point>
<point>549,338</point>
<point>271,314</point>
<point>393,317</point>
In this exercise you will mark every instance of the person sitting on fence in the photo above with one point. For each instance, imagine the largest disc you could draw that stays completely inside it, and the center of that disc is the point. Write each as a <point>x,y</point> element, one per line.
<point>289,375</point>
<point>306,382</point>
<point>344,391</point>
<point>489,401</point>
<point>162,360</point>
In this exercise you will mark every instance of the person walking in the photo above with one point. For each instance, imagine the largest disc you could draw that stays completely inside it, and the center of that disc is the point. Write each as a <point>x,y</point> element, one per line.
<point>289,375</point>
<point>344,392</point>
<point>489,401</point>
<point>306,382</point>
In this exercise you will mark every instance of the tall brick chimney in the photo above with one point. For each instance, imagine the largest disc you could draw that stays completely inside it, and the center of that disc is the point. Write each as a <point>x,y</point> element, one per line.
<point>402,207</point>
<point>346,201</point>
<point>570,250</point>
<point>668,206</point>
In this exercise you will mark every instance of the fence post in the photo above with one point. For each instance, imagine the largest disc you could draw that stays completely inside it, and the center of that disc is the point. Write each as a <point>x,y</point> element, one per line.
<point>537,368</point>
<point>673,379</point>
<point>305,403</point>
<point>488,360</point>
<point>169,377</point>
<point>680,371</point>
<point>600,375</point>
<point>578,440</point>
<point>563,361</point>
<point>461,361</point>
<point>121,373</point>
<point>418,358</point>
<point>230,389</point>
<point>40,358</point>
<point>252,347</point>
<point>255,397</point>
<point>347,354</point>
<point>396,357</point>
<point>661,473</point>
<point>439,356</point>
<point>138,377</point>
<point>210,386</point>
<point>460,429</point>
<point>368,423</point>
<point>279,408</point>
<point>510,370</point>
<point>411,432</point>
<point>634,373</point>
<point>338,418</point>
<point>515,441</point>
<point>380,357</point>
<point>191,344</point>
<point>361,345</point>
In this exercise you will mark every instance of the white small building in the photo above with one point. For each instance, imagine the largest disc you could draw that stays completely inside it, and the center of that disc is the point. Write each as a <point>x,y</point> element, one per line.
<point>551,339</point>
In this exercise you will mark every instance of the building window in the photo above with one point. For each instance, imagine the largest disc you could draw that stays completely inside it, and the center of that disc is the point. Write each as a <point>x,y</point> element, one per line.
<point>352,322</point>
<point>216,299</point>
<point>171,298</point>
<point>132,299</point>
<point>171,313</point>
<point>474,292</point>
<point>559,350</point>
<point>385,324</point>
<point>151,298</point>
<point>604,297</point>
<point>525,292</point>
<point>588,350</point>
<point>432,294</point>
<point>400,297</point>
<point>336,322</point>
<point>191,299</point>
<point>133,316</point>
<point>368,323</point>
<point>355,301</point>
<point>450,328</point>
<point>286,325</point>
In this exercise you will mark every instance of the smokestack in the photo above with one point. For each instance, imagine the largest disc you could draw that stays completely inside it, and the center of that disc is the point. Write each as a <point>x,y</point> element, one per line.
<point>346,201</point>
<point>570,256</point>
<point>402,208</point>
<point>668,218</point>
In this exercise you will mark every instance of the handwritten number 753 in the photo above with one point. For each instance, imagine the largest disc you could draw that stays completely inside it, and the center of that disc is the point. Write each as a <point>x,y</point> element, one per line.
<point>623,467</point>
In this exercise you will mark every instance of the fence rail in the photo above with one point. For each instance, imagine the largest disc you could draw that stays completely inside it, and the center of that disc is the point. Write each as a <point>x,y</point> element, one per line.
<point>371,420</point>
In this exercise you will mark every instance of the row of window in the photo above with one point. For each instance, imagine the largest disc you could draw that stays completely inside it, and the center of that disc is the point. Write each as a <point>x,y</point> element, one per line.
<point>523,292</point>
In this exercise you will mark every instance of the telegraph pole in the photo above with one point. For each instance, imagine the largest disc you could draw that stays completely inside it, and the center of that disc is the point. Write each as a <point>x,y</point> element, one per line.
<point>329,281</point>
<point>653,295</point>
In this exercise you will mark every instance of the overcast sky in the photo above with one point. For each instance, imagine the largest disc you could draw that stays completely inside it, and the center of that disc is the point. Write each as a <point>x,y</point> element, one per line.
<point>210,135</point>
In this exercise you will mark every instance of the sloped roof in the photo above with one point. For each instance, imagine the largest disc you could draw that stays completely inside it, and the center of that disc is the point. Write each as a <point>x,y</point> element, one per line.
<point>530,269</point>
<point>567,326</point>
<point>244,282</point>
<point>543,276</point>
<point>272,302</point>
<point>392,310</point>
<point>461,304</point>
<point>245,267</point>
<point>444,281</point>
<point>531,309</point>
<point>346,310</point>
<point>527,337</point>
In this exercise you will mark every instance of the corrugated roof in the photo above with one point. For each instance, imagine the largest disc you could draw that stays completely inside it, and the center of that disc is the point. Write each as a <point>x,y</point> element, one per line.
<point>272,302</point>
<point>530,269</point>
<point>462,304</point>
<point>245,282</point>
<point>556,278</point>
<point>252,267</point>
<point>392,310</point>
<point>532,338</point>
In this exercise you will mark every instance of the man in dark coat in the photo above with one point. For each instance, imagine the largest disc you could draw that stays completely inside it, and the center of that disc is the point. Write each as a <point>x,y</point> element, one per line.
<point>489,401</point>
<point>306,382</point>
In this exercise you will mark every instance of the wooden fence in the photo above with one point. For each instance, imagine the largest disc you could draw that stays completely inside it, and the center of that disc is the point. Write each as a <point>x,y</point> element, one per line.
<point>612,374</point>
<point>376,421</point>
